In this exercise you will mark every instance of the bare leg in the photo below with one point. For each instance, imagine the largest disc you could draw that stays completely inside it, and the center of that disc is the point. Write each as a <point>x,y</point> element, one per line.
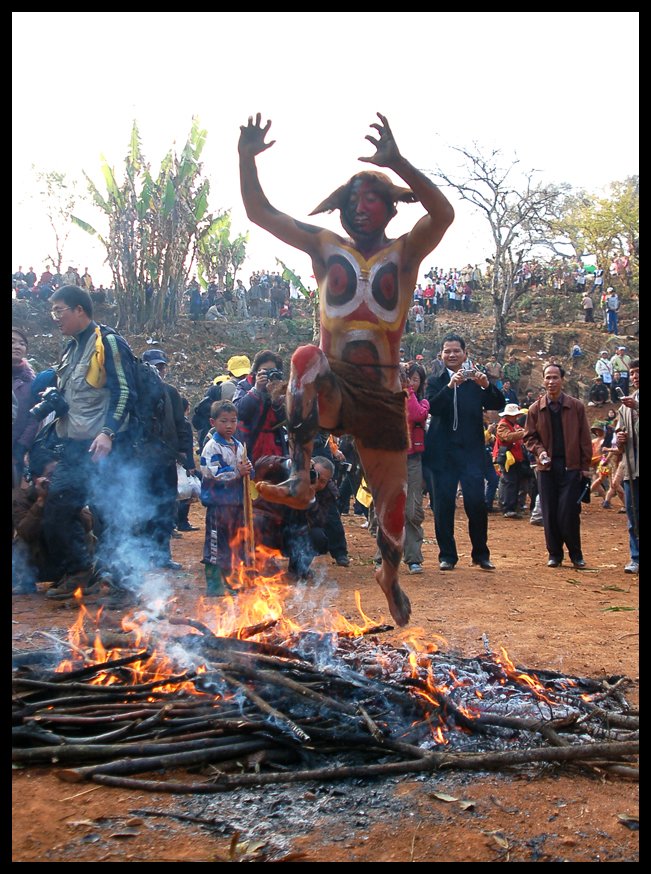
<point>304,405</point>
<point>386,476</point>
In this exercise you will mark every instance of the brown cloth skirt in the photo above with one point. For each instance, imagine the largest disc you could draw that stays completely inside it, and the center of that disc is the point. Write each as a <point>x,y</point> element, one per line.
<point>375,416</point>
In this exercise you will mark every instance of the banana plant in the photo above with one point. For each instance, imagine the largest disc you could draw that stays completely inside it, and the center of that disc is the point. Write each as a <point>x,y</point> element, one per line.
<point>155,223</point>
<point>313,297</point>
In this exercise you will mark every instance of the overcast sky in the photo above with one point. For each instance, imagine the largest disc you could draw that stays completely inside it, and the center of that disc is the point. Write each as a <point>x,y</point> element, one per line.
<point>559,91</point>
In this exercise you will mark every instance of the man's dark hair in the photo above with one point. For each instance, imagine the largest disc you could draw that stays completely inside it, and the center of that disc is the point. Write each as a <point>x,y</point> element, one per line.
<point>266,355</point>
<point>634,363</point>
<point>222,407</point>
<point>561,370</point>
<point>454,338</point>
<point>74,296</point>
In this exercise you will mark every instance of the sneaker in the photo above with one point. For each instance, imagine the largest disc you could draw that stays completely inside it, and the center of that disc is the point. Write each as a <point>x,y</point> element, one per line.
<point>633,567</point>
<point>176,535</point>
<point>446,566</point>
<point>364,524</point>
<point>538,522</point>
<point>415,568</point>
<point>187,528</point>
<point>171,565</point>
<point>605,505</point>
<point>512,515</point>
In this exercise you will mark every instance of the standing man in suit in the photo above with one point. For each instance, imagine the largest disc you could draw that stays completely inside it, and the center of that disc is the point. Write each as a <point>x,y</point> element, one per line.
<point>454,450</point>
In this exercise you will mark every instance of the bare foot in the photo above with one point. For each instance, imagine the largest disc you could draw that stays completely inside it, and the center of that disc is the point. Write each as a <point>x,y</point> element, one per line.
<point>399,603</point>
<point>294,493</point>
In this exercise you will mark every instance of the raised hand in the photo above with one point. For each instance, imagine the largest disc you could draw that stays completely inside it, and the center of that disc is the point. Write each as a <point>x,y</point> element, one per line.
<point>252,137</point>
<point>386,150</point>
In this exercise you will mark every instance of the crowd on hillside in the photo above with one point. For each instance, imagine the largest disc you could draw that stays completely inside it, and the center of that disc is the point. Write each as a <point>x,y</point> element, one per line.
<point>79,450</point>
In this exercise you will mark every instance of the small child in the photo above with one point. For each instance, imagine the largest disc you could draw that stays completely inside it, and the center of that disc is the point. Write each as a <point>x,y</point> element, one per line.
<point>223,464</point>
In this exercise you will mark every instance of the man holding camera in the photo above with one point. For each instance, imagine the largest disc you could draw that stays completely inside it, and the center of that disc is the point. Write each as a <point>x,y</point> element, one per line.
<point>91,400</point>
<point>454,450</point>
<point>260,402</point>
<point>557,434</point>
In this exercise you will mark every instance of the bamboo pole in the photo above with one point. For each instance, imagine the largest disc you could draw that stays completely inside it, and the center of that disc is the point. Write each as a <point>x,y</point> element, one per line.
<point>249,541</point>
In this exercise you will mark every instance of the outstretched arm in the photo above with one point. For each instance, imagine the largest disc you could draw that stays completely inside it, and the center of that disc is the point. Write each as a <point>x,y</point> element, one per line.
<point>258,209</point>
<point>428,231</point>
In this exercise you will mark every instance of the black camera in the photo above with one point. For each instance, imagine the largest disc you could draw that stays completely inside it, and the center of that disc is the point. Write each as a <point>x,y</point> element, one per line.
<point>52,402</point>
<point>273,375</point>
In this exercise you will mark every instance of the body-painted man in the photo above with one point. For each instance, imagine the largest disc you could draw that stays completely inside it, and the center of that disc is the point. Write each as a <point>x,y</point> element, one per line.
<point>351,384</point>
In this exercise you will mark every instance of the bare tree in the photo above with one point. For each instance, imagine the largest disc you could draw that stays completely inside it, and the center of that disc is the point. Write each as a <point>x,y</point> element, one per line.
<point>60,196</point>
<point>518,214</point>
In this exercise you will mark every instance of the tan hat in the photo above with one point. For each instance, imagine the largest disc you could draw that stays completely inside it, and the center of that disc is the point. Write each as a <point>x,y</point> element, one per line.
<point>238,365</point>
<point>511,410</point>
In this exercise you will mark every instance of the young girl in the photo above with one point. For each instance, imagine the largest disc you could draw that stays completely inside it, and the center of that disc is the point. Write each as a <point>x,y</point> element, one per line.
<point>417,412</point>
<point>223,464</point>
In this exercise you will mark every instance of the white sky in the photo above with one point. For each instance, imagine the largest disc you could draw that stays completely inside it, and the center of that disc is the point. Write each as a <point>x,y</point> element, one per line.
<point>557,90</point>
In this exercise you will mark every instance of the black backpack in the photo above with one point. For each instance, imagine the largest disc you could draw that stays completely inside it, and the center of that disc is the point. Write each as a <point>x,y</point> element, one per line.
<point>150,412</point>
<point>201,413</point>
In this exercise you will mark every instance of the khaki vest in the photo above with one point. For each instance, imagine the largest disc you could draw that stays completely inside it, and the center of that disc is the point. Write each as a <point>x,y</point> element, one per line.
<point>88,405</point>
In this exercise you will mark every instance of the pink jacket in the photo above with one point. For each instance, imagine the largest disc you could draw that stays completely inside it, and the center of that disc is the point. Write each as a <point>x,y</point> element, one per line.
<point>417,412</point>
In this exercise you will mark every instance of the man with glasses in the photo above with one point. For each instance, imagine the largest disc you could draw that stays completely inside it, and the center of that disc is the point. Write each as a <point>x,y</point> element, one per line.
<point>94,380</point>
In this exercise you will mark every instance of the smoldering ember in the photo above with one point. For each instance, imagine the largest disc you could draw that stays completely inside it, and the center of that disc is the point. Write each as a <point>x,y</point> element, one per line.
<point>262,699</point>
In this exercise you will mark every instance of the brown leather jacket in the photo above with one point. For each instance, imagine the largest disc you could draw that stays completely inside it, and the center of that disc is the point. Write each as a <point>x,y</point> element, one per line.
<point>576,432</point>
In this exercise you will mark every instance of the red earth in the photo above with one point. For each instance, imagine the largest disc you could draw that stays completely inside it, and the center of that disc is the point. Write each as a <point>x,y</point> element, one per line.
<point>582,623</point>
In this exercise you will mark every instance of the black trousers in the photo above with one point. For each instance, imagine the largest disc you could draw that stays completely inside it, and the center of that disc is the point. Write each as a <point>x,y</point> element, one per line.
<point>560,491</point>
<point>445,484</point>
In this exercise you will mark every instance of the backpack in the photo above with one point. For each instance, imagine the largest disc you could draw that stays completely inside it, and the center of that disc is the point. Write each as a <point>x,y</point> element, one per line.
<point>201,413</point>
<point>150,412</point>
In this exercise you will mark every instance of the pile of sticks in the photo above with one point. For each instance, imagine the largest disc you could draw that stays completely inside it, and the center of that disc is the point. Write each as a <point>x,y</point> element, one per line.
<point>259,712</point>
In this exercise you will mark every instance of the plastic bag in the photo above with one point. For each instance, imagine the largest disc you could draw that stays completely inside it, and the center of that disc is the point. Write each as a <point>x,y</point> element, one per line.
<point>188,486</point>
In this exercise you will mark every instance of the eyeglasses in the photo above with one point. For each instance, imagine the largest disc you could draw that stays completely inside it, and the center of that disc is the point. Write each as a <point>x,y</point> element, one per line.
<point>56,314</point>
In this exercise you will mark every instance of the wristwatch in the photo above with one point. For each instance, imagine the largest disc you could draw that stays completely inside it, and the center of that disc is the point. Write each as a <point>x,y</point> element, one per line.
<point>108,433</point>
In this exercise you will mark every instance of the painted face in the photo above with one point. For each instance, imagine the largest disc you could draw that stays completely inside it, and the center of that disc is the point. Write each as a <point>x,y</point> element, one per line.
<point>366,212</point>
<point>453,355</point>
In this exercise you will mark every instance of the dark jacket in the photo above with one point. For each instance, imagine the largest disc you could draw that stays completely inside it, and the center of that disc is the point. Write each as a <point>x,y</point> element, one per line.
<point>260,426</point>
<point>25,427</point>
<point>445,445</point>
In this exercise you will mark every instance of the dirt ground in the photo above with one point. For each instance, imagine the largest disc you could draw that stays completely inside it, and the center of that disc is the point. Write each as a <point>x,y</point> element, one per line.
<point>583,623</point>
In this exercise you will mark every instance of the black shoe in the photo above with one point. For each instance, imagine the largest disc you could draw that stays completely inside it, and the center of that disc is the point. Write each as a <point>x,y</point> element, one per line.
<point>343,561</point>
<point>485,564</point>
<point>187,528</point>
<point>176,535</point>
<point>554,562</point>
<point>171,565</point>
<point>579,564</point>
<point>446,566</point>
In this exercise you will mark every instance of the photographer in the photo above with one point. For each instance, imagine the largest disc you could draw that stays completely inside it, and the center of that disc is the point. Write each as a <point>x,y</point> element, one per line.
<point>30,559</point>
<point>454,450</point>
<point>91,403</point>
<point>261,408</point>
